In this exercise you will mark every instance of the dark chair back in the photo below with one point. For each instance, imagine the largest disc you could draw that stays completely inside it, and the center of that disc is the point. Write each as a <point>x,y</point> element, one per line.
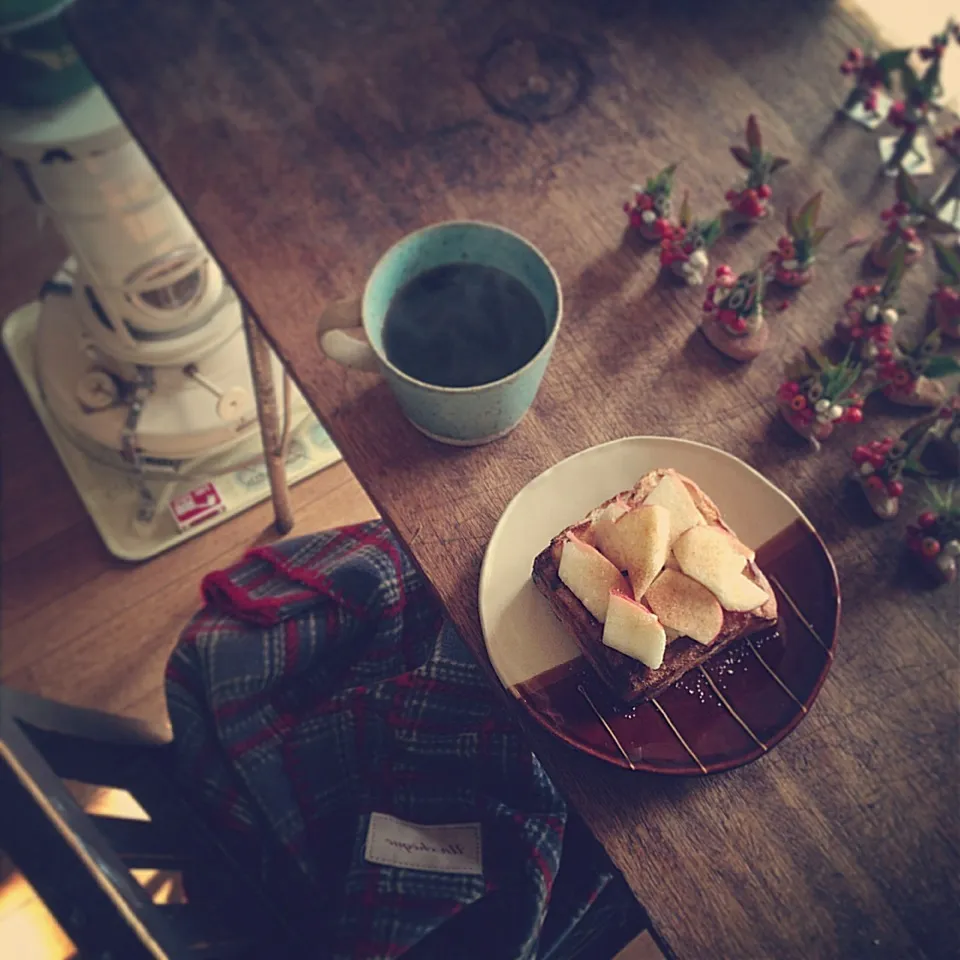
<point>80,864</point>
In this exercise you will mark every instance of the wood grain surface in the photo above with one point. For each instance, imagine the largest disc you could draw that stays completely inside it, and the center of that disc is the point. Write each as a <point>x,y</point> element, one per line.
<point>304,138</point>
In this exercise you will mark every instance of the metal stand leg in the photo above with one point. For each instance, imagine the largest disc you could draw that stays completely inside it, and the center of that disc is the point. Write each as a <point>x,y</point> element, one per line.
<point>266,396</point>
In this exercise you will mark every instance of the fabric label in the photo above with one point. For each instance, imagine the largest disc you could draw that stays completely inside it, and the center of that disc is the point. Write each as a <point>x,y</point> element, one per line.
<point>446,848</point>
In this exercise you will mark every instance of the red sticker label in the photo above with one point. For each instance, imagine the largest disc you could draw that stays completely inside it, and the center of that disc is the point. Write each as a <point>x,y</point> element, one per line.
<point>197,506</point>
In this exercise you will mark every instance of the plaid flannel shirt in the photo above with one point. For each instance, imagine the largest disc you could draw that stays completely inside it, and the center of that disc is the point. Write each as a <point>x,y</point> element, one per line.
<point>320,684</point>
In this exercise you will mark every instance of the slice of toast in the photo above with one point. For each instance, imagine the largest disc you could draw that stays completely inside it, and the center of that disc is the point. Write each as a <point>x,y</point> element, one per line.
<point>630,680</point>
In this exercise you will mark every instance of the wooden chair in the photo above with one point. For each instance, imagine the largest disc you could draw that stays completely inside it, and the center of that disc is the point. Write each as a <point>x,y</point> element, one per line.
<point>79,864</point>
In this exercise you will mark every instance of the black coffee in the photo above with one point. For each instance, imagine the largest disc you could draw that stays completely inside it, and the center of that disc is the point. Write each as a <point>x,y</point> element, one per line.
<point>463,324</point>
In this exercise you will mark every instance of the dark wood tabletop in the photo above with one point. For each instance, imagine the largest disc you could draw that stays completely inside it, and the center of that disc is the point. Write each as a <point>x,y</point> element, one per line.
<point>305,137</point>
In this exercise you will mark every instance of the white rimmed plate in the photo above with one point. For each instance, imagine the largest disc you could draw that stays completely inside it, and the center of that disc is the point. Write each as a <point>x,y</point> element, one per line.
<point>745,700</point>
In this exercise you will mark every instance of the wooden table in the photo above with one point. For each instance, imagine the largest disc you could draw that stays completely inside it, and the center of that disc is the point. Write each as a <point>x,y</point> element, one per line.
<point>303,138</point>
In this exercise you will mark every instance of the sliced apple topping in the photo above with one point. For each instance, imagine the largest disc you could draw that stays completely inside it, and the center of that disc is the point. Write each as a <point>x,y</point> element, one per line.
<point>685,606</point>
<point>740,595</point>
<point>634,631</point>
<point>738,544</point>
<point>647,532</point>
<point>590,575</point>
<point>603,535</point>
<point>707,554</point>
<point>638,543</point>
<point>672,494</point>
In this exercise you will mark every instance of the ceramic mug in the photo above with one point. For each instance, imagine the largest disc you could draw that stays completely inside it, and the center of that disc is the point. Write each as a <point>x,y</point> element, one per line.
<point>462,416</point>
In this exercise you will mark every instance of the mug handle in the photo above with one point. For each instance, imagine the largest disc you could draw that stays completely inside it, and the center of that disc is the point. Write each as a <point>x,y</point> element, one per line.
<point>337,344</point>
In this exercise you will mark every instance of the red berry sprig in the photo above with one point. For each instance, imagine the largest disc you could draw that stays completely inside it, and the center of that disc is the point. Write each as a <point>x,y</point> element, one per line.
<point>641,202</point>
<point>853,61</point>
<point>724,279</point>
<point>635,211</point>
<point>791,393</point>
<point>901,118</point>
<point>892,488</point>
<point>893,217</point>
<point>854,413</point>
<point>875,453</point>
<point>862,331</point>
<point>948,298</point>
<point>671,244</point>
<point>750,200</point>
<point>934,51</point>
<point>650,210</point>
<point>897,379</point>
<point>869,77</point>
<point>936,534</point>
<point>899,209</point>
<point>859,294</point>
<point>919,538</point>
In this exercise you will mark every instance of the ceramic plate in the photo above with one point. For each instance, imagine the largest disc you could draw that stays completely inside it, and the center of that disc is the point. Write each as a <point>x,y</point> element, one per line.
<point>743,701</point>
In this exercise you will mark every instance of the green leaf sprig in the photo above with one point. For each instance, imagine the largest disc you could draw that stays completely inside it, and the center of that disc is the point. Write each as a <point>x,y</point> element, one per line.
<point>702,233</point>
<point>949,263</point>
<point>661,182</point>
<point>894,275</point>
<point>837,380</point>
<point>804,230</point>
<point>922,359</point>
<point>909,193</point>
<point>759,163</point>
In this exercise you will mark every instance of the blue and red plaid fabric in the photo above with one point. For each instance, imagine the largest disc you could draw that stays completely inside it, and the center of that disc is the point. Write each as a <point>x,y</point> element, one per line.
<point>320,684</point>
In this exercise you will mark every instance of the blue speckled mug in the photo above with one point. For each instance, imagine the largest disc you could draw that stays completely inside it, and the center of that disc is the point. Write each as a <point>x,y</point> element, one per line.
<point>462,416</point>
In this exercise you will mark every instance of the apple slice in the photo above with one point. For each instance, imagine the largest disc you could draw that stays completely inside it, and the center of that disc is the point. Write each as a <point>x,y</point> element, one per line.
<point>649,526</point>
<point>645,533</point>
<point>707,555</point>
<point>683,605</point>
<point>634,631</point>
<point>738,544</point>
<point>738,594</point>
<point>603,534</point>
<point>590,575</point>
<point>672,494</point>
<point>638,542</point>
